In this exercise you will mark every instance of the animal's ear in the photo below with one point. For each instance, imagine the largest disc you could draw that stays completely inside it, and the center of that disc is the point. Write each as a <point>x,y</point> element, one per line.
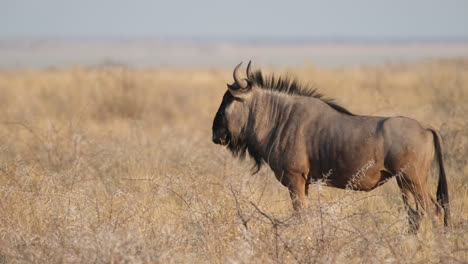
<point>236,91</point>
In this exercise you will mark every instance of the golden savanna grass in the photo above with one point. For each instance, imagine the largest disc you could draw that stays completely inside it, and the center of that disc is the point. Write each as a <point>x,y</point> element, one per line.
<point>117,165</point>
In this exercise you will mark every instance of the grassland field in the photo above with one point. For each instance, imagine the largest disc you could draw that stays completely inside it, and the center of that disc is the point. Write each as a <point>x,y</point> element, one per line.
<point>116,165</point>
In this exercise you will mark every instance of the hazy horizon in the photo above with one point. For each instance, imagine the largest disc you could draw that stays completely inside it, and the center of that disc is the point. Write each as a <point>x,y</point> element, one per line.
<point>54,33</point>
<point>140,52</point>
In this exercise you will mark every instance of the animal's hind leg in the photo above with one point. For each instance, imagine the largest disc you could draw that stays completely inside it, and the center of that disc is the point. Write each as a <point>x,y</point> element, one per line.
<point>429,204</point>
<point>410,201</point>
<point>438,212</point>
<point>422,201</point>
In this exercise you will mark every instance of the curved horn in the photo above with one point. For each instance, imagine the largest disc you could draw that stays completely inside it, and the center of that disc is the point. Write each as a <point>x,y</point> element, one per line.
<point>241,82</point>
<point>248,69</point>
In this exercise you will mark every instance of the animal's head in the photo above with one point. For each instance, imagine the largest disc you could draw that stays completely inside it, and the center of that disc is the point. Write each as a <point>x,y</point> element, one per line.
<point>233,113</point>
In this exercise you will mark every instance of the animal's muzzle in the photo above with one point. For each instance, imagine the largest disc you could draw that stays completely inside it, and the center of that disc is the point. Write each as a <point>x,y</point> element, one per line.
<point>219,140</point>
<point>216,140</point>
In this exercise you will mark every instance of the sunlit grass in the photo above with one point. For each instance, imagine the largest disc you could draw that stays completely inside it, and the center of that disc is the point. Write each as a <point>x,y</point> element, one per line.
<point>117,165</point>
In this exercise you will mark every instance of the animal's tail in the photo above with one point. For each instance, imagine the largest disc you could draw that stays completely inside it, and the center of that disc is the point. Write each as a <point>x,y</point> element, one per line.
<point>442,187</point>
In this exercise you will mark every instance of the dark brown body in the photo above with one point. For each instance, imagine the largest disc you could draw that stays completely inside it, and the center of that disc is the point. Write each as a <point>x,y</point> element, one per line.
<point>304,138</point>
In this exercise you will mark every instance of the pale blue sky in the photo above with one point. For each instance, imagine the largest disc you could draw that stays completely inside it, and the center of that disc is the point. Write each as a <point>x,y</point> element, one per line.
<point>375,19</point>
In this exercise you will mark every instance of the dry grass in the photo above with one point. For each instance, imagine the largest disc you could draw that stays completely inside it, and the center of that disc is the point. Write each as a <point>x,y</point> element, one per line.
<point>117,165</point>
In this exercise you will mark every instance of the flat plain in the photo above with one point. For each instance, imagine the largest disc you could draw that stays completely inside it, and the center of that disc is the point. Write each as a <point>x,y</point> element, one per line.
<point>116,164</point>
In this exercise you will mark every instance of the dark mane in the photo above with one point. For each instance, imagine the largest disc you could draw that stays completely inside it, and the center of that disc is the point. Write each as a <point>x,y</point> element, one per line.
<point>290,86</point>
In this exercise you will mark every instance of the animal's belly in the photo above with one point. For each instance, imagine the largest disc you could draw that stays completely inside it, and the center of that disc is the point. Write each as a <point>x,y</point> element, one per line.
<point>357,182</point>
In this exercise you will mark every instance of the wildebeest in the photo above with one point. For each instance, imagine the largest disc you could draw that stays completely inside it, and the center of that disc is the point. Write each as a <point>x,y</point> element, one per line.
<point>304,138</point>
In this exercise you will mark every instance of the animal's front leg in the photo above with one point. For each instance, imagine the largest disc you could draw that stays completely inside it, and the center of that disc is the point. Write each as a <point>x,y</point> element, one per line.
<point>297,191</point>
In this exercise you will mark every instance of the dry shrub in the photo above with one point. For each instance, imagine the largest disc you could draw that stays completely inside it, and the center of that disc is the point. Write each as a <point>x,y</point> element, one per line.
<point>117,165</point>
<point>118,96</point>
